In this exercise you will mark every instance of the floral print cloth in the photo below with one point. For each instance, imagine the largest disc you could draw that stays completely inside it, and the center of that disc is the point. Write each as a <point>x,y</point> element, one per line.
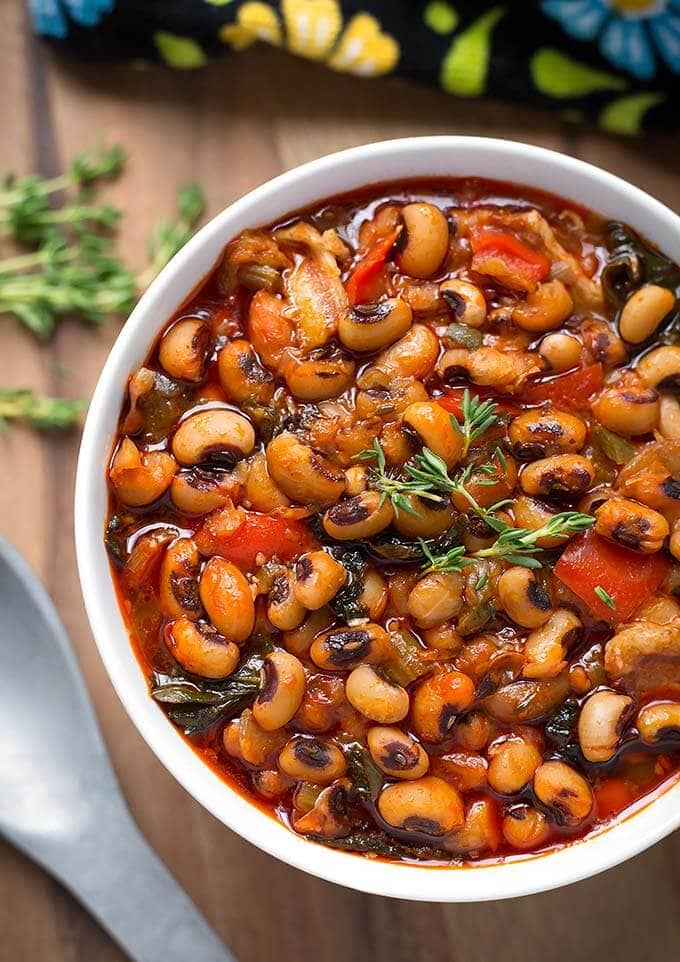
<point>615,62</point>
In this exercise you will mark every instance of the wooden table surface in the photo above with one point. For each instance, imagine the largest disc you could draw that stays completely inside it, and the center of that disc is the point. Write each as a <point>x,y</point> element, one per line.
<point>232,126</point>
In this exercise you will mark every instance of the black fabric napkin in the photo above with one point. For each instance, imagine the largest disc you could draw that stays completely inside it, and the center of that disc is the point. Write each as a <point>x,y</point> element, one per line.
<point>613,62</point>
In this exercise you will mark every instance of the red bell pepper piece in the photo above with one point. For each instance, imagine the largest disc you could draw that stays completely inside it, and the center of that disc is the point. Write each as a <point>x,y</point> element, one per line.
<point>572,389</point>
<point>452,401</point>
<point>629,578</point>
<point>369,267</point>
<point>519,257</point>
<point>259,536</point>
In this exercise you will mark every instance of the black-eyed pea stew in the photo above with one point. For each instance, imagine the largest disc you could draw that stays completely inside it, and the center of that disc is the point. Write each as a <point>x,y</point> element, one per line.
<point>395,521</point>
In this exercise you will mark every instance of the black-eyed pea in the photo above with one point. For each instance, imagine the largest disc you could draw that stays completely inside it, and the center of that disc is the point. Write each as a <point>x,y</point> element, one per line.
<point>544,309</point>
<point>242,375</point>
<point>140,385</point>
<point>632,525</point>
<point>532,513</point>
<point>396,753</point>
<point>601,721</point>
<point>318,376</point>
<point>140,477</point>
<point>561,474</point>
<point>434,429</point>
<point>381,393</point>
<point>344,648</point>
<point>546,646</point>
<point>284,610</point>
<point>629,407</point>
<point>362,516</point>
<point>524,827</point>
<point>256,745</point>
<point>512,764</point>
<point>644,311</point>
<point>303,475</point>
<point>178,583</point>
<point>372,693</point>
<point>231,739</point>
<point>261,491</point>
<point>602,343</point>
<point>669,417</point>
<point>371,327</point>
<point>319,577</point>
<point>200,649</point>
<point>216,435</point>
<point>425,239</point>
<point>565,792</point>
<point>270,784</point>
<point>328,817</point>
<point>299,640</point>
<point>184,348</point>
<point>227,599</point>
<point>436,598</point>
<point>282,687</point>
<point>660,368</point>
<point>437,702</point>
<point>427,805</point>
<point>356,480</point>
<point>659,721</point>
<point>312,759</point>
<point>466,771</point>
<point>524,598</point>
<point>413,355</point>
<point>425,518</point>
<point>481,830</point>
<point>195,491</point>
<point>443,638</point>
<point>539,434</point>
<point>373,595</point>
<point>485,366</point>
<point>473,731</point>
<point>560,351</point>
<point>466,300</point>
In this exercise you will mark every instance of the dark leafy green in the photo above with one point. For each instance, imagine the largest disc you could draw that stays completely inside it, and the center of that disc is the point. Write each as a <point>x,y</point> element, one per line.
<point>371,841</point>
<point>616,448</point>
<point>460,335</point>
<point>474,619</point>
<point>195,704</point>
<point>633,263</point>
<point>346,603</point>
<point>115,538</point>
<point>162,407</point>
<point>367,778</point>
<point>561,725</point>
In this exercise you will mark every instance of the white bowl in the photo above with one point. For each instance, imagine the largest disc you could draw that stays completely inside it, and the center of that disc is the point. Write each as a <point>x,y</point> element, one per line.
<point>345,171</point>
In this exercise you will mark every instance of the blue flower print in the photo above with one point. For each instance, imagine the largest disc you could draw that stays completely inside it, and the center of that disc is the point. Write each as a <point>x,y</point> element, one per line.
<point>49,16</point>
<point>632,33</point>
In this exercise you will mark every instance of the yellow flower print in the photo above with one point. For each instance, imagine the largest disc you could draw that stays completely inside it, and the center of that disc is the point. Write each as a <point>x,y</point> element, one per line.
<point>314,29</point>
<point>312,26</point>
<point>255,21</point>
<point>364,49</point>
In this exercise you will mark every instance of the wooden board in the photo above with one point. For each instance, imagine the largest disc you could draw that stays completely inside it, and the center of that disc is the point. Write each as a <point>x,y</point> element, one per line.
<point>232,126</point>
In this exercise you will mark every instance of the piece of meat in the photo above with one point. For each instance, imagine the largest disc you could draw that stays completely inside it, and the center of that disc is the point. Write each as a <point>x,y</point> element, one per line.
<point>645,656</point>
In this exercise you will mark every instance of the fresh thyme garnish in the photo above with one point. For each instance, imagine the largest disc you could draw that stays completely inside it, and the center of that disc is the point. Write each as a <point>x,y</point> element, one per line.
<point>391,485</point>
<point>478,417</point>
<point>452,560</point>
<point>518,545</point>
<point>605,597</point>
<point>481,582</point>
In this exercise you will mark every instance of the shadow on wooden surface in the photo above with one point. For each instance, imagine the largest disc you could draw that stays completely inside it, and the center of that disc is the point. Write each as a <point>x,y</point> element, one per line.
<point>232,126</point>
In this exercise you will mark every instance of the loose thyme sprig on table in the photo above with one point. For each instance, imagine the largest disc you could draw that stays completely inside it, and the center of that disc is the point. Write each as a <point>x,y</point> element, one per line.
<point>40,412</point>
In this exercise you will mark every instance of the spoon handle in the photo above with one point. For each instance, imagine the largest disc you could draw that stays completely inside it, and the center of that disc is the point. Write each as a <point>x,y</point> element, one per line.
<point>113,871</point>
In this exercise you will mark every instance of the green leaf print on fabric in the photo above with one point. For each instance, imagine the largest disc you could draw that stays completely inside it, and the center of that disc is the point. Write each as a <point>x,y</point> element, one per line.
<point>182,53</point>
<point>441,17</point>
<point>465,67</point>
<point>559,76</point>
<point>625,115</point>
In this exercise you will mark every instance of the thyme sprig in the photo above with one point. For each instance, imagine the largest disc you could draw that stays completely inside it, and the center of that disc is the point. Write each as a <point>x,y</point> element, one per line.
<point>39,411</point>
<point>478,417</point>
<point>393,486</point>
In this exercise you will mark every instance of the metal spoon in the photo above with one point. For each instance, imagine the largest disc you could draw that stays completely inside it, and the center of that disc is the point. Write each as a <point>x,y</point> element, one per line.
<point>60,802</point>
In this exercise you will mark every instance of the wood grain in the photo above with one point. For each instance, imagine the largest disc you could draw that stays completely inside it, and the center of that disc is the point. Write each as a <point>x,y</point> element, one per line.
<point>232,126</point>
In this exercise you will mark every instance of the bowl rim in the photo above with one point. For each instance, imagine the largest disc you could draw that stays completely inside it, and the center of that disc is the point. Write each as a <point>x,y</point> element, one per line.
<point>392,160</point>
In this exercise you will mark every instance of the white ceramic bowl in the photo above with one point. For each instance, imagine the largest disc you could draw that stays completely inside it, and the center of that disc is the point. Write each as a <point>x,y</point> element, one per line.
<point>391,160</point>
